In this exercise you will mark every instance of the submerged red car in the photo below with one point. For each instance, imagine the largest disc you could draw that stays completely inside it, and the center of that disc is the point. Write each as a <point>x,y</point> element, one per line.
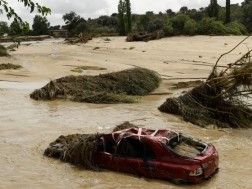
<point>160,154</point>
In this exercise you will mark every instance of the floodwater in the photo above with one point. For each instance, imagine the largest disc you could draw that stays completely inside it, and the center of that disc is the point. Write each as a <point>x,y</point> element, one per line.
<point>28,126</point>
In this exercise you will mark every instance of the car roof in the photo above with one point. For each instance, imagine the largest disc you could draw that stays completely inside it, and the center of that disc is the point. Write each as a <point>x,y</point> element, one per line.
<point>162,136</point>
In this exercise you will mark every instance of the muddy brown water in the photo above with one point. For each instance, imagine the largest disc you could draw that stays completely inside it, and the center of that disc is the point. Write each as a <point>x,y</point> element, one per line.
<point>28,126</point>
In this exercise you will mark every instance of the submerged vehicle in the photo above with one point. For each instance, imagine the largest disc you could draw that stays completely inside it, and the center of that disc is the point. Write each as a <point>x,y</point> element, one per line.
<point>159,154</point>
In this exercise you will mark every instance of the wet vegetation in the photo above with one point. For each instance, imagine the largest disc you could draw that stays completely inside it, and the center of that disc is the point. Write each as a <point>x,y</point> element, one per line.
<point>117,87</point>
<point>79,148</point>
<point>79,69</point>
<point>3,51</point>
<point>9,66</point>
<point>221,100</point>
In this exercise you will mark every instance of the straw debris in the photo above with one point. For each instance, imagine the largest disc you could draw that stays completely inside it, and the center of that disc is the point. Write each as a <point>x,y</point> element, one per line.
<point>79,148</point>
<point>3,51</point>
<point>117,87</point>
<point>9,66</point>
<point>221,100</point>
<point>76,149</point>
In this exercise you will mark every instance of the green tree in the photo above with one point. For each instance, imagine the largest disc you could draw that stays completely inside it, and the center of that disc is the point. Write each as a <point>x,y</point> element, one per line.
<point>183,10</point>
<point>128,15</point>
<point>40,25</point>
<point>74,23</point>
<point>190,27</point>
<point>10,12</point>
<point>170,13</point>
<point>227,20</point>
<point>178,23</point>
<point>143,22</point>
<point>4,28</point>
<point>16,29</point>
<point>121,11</point>
<point>213,9</point>
<point>247,14</point>
<point>155,25</point>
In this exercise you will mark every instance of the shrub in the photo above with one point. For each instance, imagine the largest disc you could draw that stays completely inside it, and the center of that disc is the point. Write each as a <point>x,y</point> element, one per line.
<point>209,26</point>
<point>178,23</point>
<point>155,25</point>
<point>168,29</point>
<point>3,51</point>
<point>236,28</point>
<point>190,27</point>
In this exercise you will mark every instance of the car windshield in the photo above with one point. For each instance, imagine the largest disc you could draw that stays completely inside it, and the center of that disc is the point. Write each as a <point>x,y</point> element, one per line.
<point>186,146</point>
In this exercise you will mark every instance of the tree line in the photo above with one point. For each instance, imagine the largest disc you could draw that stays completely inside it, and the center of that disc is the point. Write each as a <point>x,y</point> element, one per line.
<point>232,19</point>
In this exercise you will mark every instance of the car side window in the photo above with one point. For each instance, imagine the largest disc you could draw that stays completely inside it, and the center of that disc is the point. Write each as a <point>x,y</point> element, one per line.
<point>136,149</point>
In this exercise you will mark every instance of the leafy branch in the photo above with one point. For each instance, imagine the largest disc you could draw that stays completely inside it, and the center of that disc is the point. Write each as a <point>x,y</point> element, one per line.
<point>10,12</point>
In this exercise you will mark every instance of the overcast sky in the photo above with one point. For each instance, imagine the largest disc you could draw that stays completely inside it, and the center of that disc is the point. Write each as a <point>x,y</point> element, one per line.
<point>95,8</point>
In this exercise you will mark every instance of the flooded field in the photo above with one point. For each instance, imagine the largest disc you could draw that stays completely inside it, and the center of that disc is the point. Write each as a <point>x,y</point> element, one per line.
<point>28,126</point>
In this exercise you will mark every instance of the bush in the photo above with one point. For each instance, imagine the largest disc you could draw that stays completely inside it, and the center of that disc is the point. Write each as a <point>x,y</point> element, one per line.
<point>209,26</point>
<point>168,29</point>
<point>178,23</point>
<point>3,51</point>
<point>236,28</point>
<point>117,87</point>
<point>191,27</point>
<point>155,25</point>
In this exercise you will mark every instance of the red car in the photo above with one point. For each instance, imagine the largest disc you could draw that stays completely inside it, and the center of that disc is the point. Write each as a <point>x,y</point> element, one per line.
<point>160,154</point>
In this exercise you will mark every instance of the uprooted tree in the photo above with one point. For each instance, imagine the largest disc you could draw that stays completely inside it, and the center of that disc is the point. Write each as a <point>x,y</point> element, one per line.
<point>222,100</point>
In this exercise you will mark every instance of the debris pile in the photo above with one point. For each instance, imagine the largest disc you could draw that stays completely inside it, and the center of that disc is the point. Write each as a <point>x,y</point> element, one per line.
<point>76,149</point>
<point>222,100</point>
<point>144,36</point>
<point>118,87</point>
<point>81,38</point>
<point>79,148</point>
<point>3,51</point>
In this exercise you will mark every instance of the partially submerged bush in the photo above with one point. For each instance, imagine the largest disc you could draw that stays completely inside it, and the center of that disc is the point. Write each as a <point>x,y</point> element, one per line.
<point>117,87</point>
<point>79,148</point>
<point>9,66</point>
<point>3,51</point>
